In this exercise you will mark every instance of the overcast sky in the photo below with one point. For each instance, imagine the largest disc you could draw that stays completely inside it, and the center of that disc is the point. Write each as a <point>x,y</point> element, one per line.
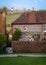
<point>20,4</point>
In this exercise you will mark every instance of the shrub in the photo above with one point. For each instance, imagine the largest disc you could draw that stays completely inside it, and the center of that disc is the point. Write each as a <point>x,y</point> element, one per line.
<point>36,37</point>
<point>17,34</point>
<point>3,41</point>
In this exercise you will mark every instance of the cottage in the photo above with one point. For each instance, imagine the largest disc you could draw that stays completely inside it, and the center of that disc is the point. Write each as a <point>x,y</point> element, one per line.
<point>30,23</point>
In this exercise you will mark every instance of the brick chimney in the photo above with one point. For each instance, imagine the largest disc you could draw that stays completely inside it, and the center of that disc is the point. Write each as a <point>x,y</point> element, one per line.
<point>3,22</point>
<point>32,8</point>
<point>3,12</point>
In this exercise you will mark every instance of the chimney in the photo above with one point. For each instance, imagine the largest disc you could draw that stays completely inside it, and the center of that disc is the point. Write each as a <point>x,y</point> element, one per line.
<point>4,18</point>
<point>32,8</point>
<point>3,12</point>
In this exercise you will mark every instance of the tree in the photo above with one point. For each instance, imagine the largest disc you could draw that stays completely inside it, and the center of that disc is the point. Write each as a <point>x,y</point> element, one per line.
<point>3,43</point>
<point>17,34</point>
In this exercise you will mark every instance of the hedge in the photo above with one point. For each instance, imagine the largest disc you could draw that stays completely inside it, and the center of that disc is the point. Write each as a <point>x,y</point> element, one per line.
<point>16,35</point>
<point>3,41</point>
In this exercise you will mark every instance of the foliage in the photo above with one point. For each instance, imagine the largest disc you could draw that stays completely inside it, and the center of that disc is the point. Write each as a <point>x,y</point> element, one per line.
<point>3,50</point>
<point>10,19</point>
<point>3,40</point>
<point>36,37</point>
<point>17,34</point>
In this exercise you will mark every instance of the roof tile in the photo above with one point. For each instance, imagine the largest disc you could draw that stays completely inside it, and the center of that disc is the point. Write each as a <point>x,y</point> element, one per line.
<point>31,18</point>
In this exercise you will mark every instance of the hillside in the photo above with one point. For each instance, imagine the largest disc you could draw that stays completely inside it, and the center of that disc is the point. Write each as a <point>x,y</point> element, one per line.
<point>10,18</point>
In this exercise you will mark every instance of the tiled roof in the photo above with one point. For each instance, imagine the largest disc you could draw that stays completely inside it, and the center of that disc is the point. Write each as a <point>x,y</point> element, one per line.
<point>33,17</point>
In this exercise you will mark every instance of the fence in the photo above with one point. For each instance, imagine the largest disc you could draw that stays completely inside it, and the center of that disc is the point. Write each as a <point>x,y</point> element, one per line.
<point>26,46</point>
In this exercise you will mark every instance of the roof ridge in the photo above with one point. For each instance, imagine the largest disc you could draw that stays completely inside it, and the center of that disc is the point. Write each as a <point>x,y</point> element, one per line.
<point>31,18</point>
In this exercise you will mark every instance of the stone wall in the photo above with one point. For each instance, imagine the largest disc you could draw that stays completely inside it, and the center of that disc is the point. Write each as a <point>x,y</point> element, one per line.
<point>26,46</point>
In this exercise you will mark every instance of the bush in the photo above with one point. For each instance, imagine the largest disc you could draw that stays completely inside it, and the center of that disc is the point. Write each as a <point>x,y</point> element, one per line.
<point>17,34</point>
<point>36,37</point>
<point>3,41</point>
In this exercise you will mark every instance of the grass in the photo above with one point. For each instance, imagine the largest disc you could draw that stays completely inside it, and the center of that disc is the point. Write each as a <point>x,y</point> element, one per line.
<point>11,18</point>
<point>23,60</point>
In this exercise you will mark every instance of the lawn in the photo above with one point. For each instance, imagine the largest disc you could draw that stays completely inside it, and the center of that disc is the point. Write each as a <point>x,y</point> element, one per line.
<point>23,60</point>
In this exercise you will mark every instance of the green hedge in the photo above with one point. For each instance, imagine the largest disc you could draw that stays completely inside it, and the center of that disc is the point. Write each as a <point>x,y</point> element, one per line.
<point>3,42</point>
<point>17,34</point>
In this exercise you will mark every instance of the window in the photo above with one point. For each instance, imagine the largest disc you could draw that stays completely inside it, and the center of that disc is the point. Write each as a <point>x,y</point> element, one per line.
<point>44,27</point>
<point>35,28</point>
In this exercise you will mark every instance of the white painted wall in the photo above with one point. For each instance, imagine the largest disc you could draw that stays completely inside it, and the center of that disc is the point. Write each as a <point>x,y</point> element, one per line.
<point>27,31</point>
<point>28,28</point>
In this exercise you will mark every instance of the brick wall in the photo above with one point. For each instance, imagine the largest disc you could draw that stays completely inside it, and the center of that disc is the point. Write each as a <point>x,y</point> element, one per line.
<point>2,25</point>
<point>26,46</point>
<point>3,22</point>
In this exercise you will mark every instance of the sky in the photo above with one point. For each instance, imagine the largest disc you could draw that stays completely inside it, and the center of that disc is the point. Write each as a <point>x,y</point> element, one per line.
<point>27,4</point>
